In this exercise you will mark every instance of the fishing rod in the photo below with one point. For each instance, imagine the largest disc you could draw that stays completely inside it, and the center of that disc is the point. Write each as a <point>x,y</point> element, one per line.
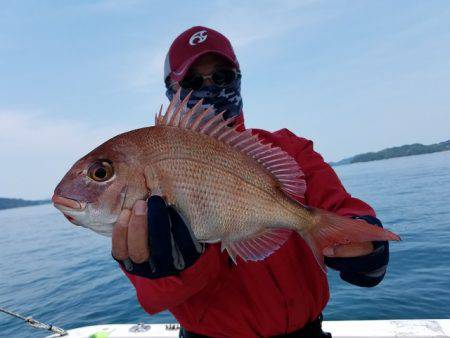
<point>35,323</point>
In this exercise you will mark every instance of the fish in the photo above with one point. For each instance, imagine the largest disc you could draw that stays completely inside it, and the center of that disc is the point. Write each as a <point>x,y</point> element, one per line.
<point>228,185</point>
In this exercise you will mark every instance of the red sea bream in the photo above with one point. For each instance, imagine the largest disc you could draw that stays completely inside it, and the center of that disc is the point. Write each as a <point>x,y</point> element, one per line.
<point>225,183</point>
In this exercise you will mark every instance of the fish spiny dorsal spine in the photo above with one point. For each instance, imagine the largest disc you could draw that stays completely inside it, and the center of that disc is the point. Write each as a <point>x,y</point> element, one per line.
<point>282,166</point>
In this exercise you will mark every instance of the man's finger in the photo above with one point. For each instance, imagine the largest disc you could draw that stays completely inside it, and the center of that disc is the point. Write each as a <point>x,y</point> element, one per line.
<point>349,250</point>
<point>119,236</point>
<point>138,233</point>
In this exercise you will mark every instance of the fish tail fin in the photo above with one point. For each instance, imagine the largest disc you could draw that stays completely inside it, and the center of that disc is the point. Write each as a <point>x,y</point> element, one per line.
<point>330,230</point>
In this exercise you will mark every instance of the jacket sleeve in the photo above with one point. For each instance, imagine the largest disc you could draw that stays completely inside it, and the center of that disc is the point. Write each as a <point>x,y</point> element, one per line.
<point>156,295</point>
<point>325,191</point>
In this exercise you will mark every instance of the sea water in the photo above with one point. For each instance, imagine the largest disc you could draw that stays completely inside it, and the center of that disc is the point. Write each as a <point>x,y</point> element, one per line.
<point>65,275</point>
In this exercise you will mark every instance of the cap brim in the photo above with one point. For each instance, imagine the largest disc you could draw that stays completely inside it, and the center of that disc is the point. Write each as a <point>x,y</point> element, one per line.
<point>177,75</point>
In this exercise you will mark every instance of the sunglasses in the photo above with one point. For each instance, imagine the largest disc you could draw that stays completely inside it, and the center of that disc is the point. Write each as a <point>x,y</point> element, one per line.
<point>221,78</point>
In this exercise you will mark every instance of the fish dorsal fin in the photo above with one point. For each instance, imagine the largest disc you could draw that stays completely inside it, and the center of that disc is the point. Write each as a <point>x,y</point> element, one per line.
<point>257,247</point>
<point>281,165</point>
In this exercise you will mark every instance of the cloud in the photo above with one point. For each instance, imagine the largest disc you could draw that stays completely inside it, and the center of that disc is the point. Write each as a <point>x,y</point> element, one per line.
<point>243,23</point>
<point>37,151</point>
<point>146,69</point>
<point>37,133</point>
<point>247,23</point>
<point>106,6</point>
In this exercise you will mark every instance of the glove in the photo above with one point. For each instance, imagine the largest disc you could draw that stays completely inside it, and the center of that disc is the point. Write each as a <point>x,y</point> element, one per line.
<point>366,271</point>
<point>173,246</point>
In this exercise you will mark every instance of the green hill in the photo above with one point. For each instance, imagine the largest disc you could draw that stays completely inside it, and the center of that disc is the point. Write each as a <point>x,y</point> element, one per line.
<point>8,203</point>
<point>406,150</point>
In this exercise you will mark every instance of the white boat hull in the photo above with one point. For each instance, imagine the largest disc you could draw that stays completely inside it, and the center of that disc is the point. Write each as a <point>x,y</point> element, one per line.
<point>339,329</point>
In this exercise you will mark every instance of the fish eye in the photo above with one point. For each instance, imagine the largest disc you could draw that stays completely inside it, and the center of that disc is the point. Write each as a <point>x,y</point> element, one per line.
<point>101,171</point>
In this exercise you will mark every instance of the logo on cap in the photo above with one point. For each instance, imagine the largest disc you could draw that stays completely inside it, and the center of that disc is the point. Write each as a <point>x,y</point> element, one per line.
<point>198,37</point>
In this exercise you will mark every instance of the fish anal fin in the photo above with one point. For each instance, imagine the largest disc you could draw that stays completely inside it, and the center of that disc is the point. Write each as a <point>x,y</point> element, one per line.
<point>259,246</point>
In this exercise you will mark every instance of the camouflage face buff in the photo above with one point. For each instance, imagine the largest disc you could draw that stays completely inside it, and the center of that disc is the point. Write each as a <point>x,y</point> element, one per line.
<point>221,98</point>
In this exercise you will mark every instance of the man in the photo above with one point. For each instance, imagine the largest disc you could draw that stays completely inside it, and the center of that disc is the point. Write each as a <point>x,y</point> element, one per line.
<point>209,295</point>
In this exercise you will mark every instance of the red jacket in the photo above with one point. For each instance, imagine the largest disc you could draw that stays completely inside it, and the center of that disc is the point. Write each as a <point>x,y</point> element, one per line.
<point>275,296</point>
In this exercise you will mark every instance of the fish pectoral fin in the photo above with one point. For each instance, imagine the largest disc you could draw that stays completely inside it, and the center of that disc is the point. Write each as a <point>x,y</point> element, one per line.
<point>155,181</point>
<point>152,180</point>
<point>257,247</point>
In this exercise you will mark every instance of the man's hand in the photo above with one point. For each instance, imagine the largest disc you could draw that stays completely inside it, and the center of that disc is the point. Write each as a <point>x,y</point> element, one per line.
<point>129,239</point>
<point>349,250</point>
<point>362,264</point>
<point>153,241</point>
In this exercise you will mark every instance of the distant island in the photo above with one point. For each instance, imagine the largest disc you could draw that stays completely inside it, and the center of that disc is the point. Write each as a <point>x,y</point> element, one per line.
<point>406,150</point>
<point>8,203</point>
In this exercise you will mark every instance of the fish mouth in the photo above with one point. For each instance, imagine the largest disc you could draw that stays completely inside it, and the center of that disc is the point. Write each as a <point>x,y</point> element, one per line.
<point>69,207</point>
<point>64,203</point>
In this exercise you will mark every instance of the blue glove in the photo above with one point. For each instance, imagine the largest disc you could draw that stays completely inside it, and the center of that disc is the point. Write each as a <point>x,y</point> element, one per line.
<point>173,246</point>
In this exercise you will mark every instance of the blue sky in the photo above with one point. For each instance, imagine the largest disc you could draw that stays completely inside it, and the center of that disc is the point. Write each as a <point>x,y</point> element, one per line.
<point>353,76</point>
